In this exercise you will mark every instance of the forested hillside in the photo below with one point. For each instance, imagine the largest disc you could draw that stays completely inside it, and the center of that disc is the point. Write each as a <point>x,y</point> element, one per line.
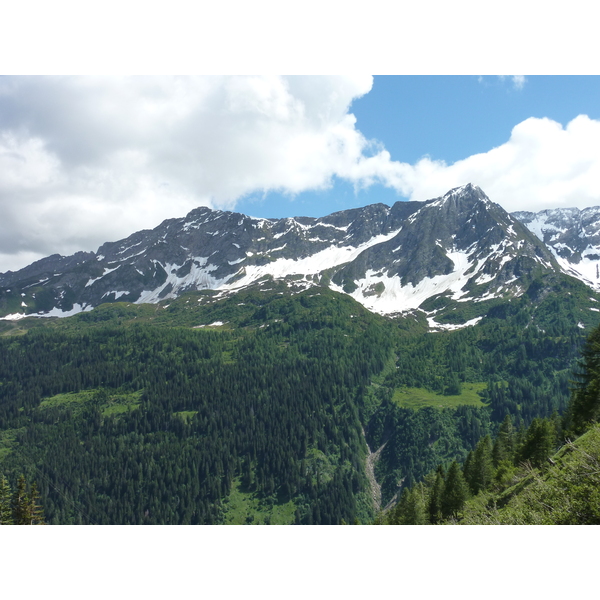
<point>144,424</point>
<point>548,473</point>
<point>518,361</point>
<point>258,408</point>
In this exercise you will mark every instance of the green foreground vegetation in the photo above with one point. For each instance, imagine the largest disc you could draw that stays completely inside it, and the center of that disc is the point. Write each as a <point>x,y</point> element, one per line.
<point>537,476</point>
<point>150,414</point>
<point>566,491</point>
<point>533,485</point>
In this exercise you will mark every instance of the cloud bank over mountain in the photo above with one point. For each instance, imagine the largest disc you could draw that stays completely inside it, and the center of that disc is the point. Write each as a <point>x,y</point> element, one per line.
<point>89,159</point>
<point>85,159</point>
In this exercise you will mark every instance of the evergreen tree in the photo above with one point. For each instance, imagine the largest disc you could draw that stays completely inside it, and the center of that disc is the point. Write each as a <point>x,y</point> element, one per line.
<point>504,445</point>
<point>396,514</point>
<point>415,510</point>
<point>453,385</point>
<point>468,467</point>
<point>558,422</point>
<point>5,502</point>
<point>481,467</point>
<point>36,512</point>
<point>434,506</point>
<point>584,408</point>
<point>455,492</point>
<point>412,507</point>
<point>21,504</point>
<point>539,443</point>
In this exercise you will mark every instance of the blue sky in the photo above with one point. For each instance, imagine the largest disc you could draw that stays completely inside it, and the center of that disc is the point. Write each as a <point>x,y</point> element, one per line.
<point>447,118</point>
<point>84,160</point>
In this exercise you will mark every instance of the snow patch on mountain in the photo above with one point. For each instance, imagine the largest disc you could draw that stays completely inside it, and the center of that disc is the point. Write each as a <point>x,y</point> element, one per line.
<point>55,312</point>
<point>587,269</point>
<point>199,278</point>
<point>116,294</point>
<point>106,272</point>
<point>433,324</point>
<point>13,317</point>
<point>573,237</point>
<point>311,265</point>
<point>395,297</point>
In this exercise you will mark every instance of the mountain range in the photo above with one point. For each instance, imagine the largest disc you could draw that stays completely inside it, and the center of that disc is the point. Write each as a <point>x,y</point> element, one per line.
<point>243,370</point>
<point>423,258</point>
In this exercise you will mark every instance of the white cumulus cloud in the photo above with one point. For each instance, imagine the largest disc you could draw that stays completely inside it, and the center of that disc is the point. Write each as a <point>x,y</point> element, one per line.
<point>542,165</point>
<point>89,159</point>
<point>84,160</point>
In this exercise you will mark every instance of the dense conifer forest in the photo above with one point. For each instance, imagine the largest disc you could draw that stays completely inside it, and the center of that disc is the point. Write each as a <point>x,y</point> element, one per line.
<point>548,473</point>
<point>262,408</point>
<point>145,424</point>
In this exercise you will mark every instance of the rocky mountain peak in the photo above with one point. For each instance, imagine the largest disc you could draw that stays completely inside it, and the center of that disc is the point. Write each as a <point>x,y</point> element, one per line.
<point>573,236</point>
<point>467,192</point>
<point>458,248</point>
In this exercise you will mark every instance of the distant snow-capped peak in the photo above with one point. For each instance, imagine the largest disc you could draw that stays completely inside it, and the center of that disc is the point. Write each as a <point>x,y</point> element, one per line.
<point>429,256</point>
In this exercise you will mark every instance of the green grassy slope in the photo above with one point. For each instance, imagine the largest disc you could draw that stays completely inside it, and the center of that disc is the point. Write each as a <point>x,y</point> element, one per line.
<point>564,493</point>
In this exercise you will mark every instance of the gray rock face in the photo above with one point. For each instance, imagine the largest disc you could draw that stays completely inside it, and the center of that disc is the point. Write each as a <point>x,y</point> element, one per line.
<point>461,246</point>
<point>462,225</point>
<point>573,236</point>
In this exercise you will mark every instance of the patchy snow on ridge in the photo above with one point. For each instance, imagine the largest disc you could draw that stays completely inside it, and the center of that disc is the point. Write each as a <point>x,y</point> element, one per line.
<point>14,317</point>
<point>55,312</point>
<point>587,269</point>
<point>398,298</point>
<point>451,327</point>
<point>539,227</point>
<point>215,324</point>
<point>199,278</point>
<point>311,265</point>
<point>561,224</point>
<point>117,294</point>
<point>106,272</point>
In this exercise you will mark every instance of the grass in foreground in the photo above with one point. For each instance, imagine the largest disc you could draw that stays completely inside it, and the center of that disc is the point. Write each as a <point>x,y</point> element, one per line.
<point>564,493</point>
